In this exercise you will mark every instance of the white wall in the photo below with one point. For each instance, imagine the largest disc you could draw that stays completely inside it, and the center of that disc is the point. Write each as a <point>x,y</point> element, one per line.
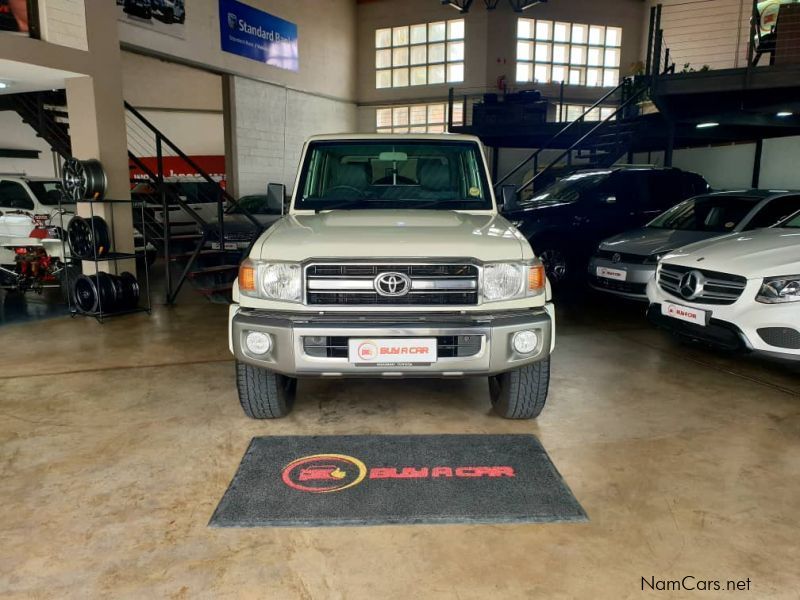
<point>17,135</point>
<point>780,158</point>
<point>269,125</point>
<point>63,22</point>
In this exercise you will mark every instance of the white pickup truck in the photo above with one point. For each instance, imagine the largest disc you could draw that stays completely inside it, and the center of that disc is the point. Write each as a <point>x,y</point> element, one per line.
<point>392,261</point>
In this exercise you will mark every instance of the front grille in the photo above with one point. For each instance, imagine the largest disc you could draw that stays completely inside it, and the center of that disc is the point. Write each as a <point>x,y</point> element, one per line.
<point>447,346</point>
<point>624,287</point>
<point>353,284</point>
<point>717,288</point>
<point>624,257</point>
<point>781,337</point>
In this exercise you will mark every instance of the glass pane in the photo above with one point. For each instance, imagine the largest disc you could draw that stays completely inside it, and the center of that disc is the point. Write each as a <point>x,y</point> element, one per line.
<point>436,31</point>
<point>383,59</point>
<point>418,115</point>
<point>384,130</point>
<point>576,76</point>
<point>561,32</point>
<point>455,72</point>
<point>541,73</point>
<point>544,30</point>
<point>455,29</point>
<point>419,55</point>
<point>400,116</point>
<point>455,51</point>
<point>399,77</point>
<point>436,129</point>
<point>383,117</point>
<point>605,113</point>
<point>400,130</point>
<point>435,53</point>
<point>419,34</point>
<point>422,129</point>
<point>400,56</point>
<point>610,77</point>
<point>458,113</point>
<point>383,38</point>
<point>560,53</point>
<point>597,35</point>
<point>593,115</point>
<point>436,113</point>
<point>559,73</point>
<point>542,52</point>
<point>593,76</point>
<point>524,51</point>
<point>525,28</point>
<point>579,33</point>
<point>419,75</point>
<point>612,57</point>
<point>613,36</point>
<point>383,79</point>
<point>524,72</point>
<point>596,57</point>
<point>577,55</point>
<point>574,112</point>
<point>435,74</point>
<point>400,36</point>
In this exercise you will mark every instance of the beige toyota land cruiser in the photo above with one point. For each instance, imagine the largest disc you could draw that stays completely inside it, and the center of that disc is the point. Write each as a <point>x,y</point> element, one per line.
<point>392,262</point>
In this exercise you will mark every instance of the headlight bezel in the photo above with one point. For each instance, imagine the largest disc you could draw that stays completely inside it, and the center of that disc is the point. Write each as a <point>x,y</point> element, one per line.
<point>261,287</point>
<point>526,272</point>
<point>768,294</point>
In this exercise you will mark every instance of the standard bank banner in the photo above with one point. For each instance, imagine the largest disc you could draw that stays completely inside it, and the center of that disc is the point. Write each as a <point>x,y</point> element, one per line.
<point>258,35</point>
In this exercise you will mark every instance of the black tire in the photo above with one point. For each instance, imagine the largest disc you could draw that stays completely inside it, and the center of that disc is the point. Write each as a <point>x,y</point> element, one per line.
<point>521,393</point>
<point>264,394</point>
<point>66,278</point>
<point>558,264</point>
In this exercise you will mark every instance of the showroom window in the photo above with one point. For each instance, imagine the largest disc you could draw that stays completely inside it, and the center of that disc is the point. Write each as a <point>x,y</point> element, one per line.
<point>571,112</point>
<point>575,53</point>
<point>422,54</point>
<point>417,118</point>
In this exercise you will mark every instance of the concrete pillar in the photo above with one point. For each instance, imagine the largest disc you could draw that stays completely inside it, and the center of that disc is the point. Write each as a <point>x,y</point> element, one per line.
<point>97,127</point>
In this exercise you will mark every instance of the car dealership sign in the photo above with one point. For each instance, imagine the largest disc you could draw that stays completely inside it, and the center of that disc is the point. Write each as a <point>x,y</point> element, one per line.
<point>257,35</point>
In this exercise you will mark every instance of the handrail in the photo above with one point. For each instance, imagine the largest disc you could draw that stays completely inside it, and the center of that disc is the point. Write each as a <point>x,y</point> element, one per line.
<point>545,146</point>
<point>632,98</point>
<point>193,164</point>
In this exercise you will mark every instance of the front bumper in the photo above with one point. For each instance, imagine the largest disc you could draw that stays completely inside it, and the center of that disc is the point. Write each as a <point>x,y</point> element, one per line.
<point>636,278</point>
<point>288,330</point>
<point>768,329</point>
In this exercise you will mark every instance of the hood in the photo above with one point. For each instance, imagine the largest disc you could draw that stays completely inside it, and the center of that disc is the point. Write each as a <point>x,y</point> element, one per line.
<point>393,233</point>
<point>652,240</point>
<point>752,254</point>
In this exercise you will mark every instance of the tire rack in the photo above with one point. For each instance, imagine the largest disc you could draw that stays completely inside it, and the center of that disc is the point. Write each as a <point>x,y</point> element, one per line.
<point>101,315</point>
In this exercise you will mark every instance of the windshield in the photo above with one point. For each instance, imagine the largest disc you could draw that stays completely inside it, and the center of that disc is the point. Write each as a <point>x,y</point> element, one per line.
<point>360,174</point>
<point>47,192</point>
<point>792,222</point>
<point>569,188</point>
<point>718,214</point>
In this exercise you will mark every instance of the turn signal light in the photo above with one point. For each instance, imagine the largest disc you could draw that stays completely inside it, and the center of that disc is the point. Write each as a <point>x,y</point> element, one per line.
<point>247,277</point>
<point>536,278</point>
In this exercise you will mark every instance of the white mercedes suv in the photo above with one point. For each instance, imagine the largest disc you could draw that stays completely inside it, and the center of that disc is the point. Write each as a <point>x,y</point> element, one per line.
<point>739,292</point>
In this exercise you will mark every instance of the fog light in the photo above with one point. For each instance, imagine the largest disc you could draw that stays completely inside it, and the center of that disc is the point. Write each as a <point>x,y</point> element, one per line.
<point>525,342</point>
<point>257,342</point>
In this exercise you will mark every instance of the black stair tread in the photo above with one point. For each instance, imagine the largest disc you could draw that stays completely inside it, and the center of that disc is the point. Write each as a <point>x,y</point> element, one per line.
<point>188,255</point>
<point>186,236</point>
<point>212,270</point>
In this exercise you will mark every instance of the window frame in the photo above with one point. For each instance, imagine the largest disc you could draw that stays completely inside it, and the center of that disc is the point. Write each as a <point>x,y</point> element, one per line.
<point>429,126</point>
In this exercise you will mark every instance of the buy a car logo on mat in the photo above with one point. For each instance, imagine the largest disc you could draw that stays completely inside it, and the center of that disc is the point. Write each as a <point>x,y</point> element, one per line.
<point>322,473</point>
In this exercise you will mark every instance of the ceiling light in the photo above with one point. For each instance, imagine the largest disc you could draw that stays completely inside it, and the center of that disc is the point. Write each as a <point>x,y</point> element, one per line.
<point>706,125</point>
<point>520,5</point>
<point>460,5</point>
<point>783,113</point>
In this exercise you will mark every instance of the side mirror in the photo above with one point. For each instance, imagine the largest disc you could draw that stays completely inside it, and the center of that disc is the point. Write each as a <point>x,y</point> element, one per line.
<point>276,196</point>
<point>510,198</point>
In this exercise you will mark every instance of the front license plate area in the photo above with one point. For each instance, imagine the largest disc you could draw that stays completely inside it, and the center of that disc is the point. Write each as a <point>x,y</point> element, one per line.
<point>615,274</point>
<point>383,351</point>
<point>684,313</point>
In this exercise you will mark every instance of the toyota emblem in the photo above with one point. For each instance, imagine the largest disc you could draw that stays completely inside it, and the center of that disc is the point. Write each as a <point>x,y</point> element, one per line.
<point>691,285</point>
<point>392,284</point>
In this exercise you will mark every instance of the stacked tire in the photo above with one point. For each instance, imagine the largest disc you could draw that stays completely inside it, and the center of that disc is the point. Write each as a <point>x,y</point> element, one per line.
<point>106,293</point>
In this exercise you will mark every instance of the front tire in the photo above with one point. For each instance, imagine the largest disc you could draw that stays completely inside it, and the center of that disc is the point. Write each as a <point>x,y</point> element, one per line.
<point>264,394</point>
<point>521,393</point>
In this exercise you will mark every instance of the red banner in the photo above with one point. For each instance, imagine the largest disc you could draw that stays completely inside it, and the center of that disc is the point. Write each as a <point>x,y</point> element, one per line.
<point>177,168</point>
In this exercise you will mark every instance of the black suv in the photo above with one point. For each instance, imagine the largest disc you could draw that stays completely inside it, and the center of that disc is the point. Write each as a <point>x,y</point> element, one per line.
<point>565,222</point>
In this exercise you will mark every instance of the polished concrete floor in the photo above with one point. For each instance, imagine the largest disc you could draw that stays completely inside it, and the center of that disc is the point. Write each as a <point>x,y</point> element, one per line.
<point>118,440</point>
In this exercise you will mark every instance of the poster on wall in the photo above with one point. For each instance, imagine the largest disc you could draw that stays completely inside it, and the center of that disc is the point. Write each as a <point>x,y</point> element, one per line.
<point>257,35</point>
<point>15,16</point>
<point>162,16</point>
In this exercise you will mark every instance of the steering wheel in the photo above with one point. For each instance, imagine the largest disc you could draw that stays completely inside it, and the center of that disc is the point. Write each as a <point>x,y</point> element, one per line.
<point>345,187</point>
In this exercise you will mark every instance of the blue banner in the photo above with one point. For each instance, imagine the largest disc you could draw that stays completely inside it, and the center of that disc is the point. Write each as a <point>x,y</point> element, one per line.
<point>257,35</point>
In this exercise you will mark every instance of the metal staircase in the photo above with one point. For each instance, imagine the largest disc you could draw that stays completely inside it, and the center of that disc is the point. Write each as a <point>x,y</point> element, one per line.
<point>193,249</point>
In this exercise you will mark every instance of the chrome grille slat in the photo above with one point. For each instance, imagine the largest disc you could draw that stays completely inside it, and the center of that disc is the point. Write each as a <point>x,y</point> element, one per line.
<point>718,288</point>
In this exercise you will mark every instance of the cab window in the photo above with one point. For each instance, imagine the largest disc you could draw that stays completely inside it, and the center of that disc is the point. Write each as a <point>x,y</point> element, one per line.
<point>14,196</point>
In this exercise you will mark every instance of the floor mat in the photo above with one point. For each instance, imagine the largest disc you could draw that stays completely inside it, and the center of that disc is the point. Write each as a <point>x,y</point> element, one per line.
<point>395,479</point>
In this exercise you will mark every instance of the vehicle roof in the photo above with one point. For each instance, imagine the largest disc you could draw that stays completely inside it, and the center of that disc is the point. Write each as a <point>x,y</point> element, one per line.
<point>615,168</point>
<point>27,177</point>
<point>753,192</point>
<point>332,137</point>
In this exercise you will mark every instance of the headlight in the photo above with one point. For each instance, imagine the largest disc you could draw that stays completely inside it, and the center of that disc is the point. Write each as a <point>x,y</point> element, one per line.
<point>271,281</point>
<point>507,281</point>
<point>775,290</point>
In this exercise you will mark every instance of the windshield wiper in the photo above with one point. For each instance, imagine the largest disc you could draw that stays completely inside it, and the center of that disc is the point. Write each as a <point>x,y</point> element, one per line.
<point>343,205</point>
